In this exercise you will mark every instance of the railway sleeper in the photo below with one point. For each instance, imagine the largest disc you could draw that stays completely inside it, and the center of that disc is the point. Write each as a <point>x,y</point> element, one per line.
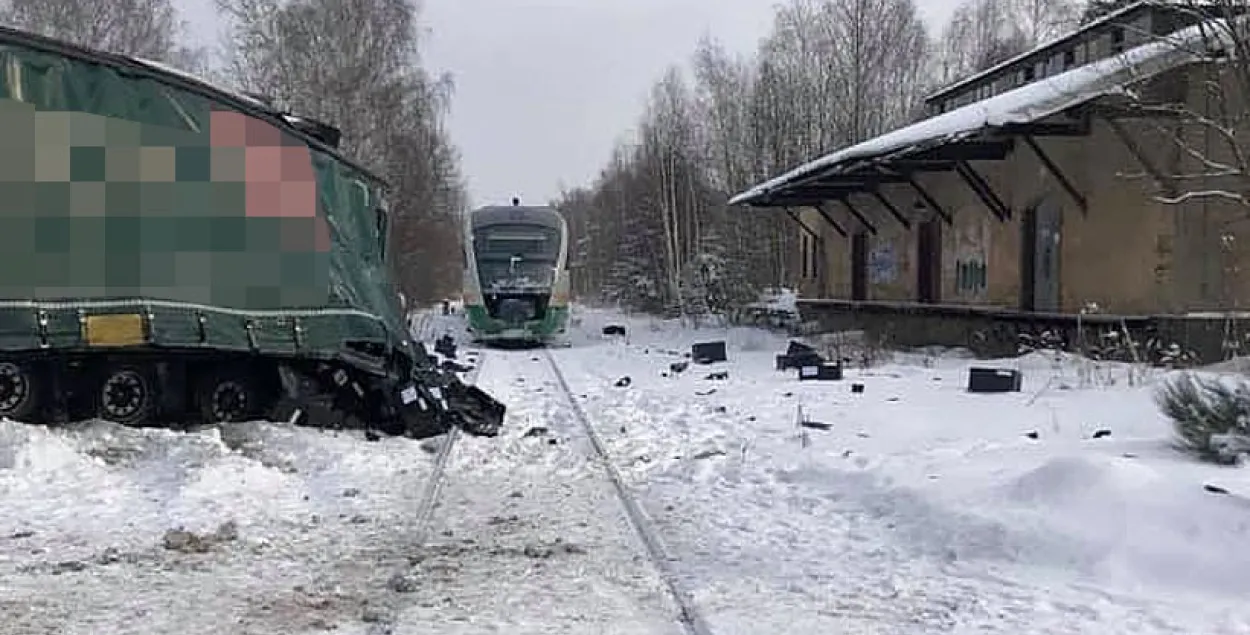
<point>177,392</point>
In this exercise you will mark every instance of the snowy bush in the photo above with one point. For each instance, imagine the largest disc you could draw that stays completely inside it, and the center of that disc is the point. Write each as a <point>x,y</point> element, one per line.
<point>1211,417</point>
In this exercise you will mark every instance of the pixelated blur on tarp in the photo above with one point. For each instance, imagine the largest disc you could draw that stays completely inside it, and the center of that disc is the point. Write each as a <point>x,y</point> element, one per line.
<point>118,186</point>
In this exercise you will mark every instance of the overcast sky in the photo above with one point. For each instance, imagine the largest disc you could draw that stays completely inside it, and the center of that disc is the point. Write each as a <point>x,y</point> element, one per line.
<point>545,87</point>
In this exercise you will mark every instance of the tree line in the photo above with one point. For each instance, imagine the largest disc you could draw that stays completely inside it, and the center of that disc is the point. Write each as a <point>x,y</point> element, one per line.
<point>353,63</point>
<point>653,231</point>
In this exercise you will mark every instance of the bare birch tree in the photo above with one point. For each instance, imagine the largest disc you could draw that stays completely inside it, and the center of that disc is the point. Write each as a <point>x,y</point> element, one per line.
<point>983,33</point>
<point>150,29</point>
<point>356,64</point>
<point>654,230</point>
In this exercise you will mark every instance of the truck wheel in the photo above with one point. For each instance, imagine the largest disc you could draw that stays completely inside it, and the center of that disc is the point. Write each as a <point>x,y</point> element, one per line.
<point>126,395</point>
<point>226,397</point>
<point>18,396</point>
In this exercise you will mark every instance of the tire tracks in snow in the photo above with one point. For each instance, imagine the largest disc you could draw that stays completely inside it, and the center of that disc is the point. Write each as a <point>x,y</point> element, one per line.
<point>689,617</point>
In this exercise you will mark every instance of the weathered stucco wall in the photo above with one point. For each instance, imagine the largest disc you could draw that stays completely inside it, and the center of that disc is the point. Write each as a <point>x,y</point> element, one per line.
<point>1127,252</point>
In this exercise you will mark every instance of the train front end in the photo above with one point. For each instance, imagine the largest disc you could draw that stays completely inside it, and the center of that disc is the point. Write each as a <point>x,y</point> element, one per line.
<point>516,286</point>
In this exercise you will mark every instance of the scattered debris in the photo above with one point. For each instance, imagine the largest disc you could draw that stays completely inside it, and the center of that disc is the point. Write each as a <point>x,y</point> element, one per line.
<point>445,345</point>
<point>351,492</point>
<point>678,367</point>
<point>450,365</point>
<point>374,615</point>
<point>1214,489</point>
<point>708,352</point>
<point>623,382</point>
<point>1102,432</point>
<point>536,431</point>
<point>806,422</point>
<point>825,371</point>
<point>798,355</point>
<point>190,542</point>
<point>705,393</point>
<point>68,566</point>
<point>707,454</point>
<point>403,583</point>
<point>991,380</point>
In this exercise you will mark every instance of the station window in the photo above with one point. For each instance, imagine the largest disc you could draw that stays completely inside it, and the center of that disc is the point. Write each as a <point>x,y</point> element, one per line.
<point>1117,39</point>
<point>1069,59</point>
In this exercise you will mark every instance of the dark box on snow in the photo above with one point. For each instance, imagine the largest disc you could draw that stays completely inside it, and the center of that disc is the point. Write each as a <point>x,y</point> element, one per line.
<point>708,352</point>
<point>820,372</point>
<point>994,380</point>
<point>798,355</point>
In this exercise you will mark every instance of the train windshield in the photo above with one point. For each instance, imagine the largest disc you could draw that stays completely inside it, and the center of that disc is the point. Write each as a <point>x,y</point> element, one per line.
<point>516,255</point>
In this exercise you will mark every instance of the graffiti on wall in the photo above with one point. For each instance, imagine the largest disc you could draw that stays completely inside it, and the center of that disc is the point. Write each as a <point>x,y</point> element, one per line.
<point>882,264</point>
<point>971,270</point>
<point>970,276</point>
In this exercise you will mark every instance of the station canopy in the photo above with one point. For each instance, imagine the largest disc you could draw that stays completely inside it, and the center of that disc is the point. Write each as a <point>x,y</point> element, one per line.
<point>984,129</point>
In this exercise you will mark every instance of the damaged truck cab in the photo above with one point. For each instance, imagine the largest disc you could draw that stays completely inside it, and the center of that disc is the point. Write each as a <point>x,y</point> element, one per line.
<point>178,252</point>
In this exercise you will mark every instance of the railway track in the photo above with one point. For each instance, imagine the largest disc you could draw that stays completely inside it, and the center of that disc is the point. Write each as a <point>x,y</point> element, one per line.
<point>438,477</point>
<point>689,617</point>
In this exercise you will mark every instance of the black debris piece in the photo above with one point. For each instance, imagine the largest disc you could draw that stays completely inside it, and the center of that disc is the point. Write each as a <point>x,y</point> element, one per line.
<point>985,380</point>
<point>798,355</point>
<point>821,372</point>
<point>708,352</point>
<point>445,346</point>
<point>614,329</point>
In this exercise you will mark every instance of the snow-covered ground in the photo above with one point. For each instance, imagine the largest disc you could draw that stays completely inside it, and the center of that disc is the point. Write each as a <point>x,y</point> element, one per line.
<point>921,509</point>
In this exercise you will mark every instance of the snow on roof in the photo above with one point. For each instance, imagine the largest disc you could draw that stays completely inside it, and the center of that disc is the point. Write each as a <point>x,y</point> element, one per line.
<point>1025,104</point>
<point>1085,28</point>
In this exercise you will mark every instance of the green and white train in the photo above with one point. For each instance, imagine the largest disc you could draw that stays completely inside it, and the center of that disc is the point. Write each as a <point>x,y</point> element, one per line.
<point>516,279</point>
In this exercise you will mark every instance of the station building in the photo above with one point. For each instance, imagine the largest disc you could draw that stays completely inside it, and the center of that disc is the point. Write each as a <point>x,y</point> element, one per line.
<point>1089,183</point>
